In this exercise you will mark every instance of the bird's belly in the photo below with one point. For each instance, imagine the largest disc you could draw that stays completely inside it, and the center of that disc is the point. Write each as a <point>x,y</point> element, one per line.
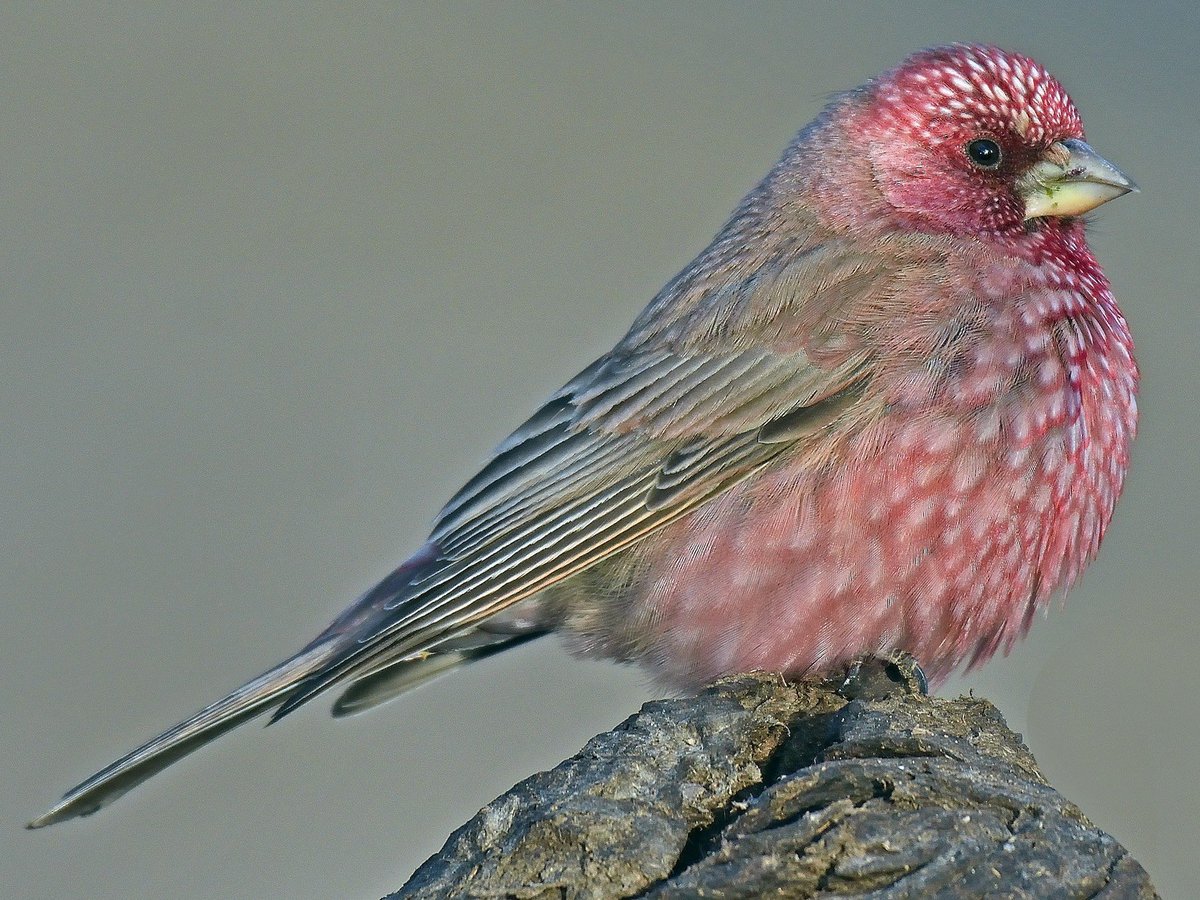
<point>936,545</point>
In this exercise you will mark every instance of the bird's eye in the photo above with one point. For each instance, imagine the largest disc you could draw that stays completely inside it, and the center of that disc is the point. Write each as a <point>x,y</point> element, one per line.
<point>984,152</point>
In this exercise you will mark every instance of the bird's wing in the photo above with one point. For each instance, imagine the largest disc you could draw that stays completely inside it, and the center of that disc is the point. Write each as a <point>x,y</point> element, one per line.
<point>687,404</point>
<point>634,442</point>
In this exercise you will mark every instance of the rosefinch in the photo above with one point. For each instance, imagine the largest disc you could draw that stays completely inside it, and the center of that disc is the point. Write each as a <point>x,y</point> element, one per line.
<point>888,408</point>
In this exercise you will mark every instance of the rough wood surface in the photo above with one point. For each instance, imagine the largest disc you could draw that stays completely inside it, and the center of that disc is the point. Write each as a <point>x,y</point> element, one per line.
<point>756,788</point>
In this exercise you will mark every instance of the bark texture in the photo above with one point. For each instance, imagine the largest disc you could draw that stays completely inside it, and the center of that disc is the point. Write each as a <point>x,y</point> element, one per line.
<point>756,788</point>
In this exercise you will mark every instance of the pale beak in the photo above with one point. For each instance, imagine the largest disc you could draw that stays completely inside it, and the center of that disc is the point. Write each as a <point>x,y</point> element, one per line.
<point>1071,179</point>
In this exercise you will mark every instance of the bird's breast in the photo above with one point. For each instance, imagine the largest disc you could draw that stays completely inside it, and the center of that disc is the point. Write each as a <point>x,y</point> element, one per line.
<point>984,486</point>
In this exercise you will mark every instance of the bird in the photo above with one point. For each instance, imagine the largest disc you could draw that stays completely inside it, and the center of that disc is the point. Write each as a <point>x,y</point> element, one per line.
<point>888,409</point>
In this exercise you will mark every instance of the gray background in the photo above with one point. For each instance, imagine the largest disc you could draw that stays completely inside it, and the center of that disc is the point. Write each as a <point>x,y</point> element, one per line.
<point>275,279</point>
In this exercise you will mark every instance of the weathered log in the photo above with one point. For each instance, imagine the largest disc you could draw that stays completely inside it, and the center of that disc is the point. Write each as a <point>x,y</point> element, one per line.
<point>757,788</point>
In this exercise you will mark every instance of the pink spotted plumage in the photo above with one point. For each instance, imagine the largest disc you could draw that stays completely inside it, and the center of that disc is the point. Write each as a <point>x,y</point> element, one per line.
<point>941,528</point>
<point>889,407</point>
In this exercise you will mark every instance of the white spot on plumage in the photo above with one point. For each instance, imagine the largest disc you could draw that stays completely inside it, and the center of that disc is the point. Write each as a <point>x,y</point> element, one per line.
<point>1019,80</point>
<point>987,425</point>
<point>1049,371</point>
<point>969,470</point>
<point>1055,411</point>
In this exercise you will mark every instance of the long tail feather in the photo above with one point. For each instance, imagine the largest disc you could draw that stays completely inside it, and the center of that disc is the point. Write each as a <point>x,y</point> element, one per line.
<point>211,722</point>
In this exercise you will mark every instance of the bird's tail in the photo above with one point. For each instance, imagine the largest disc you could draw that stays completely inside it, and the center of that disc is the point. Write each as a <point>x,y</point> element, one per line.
<point>211,722</point>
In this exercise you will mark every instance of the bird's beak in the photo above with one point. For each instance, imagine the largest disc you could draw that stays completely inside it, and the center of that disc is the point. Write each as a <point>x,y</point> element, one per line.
<point>1070,179</point>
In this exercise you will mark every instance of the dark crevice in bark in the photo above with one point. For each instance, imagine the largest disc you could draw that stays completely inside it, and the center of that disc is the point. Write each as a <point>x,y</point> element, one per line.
<point>805,738</point>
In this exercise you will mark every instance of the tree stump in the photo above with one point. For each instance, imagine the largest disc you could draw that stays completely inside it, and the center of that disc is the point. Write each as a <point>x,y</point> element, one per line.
<point>758,788</point>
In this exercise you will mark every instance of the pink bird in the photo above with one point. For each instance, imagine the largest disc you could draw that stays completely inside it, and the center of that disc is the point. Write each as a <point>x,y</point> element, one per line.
<point>889,408</point>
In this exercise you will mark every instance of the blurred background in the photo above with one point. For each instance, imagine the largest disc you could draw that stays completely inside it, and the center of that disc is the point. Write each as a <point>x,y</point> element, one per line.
<point>275,279</point>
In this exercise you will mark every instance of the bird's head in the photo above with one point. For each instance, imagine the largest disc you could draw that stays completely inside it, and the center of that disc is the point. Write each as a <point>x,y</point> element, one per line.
<point>971,139</point>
